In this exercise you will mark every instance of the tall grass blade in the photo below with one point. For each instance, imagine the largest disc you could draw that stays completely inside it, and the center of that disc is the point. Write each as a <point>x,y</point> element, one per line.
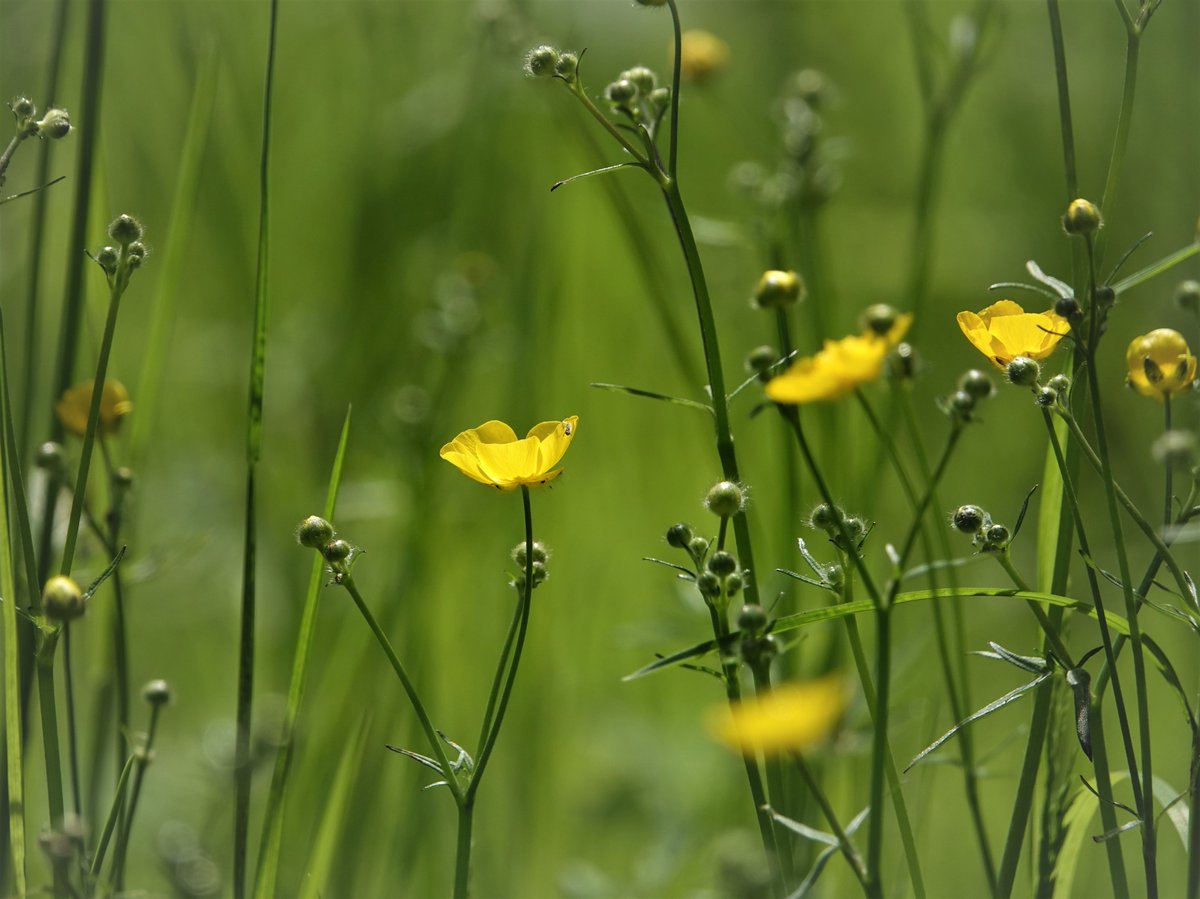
<point>258,363</point>
<point>174,255</point>
<point>12,670</point>
<point>329,831</point>
<point>272,834</point>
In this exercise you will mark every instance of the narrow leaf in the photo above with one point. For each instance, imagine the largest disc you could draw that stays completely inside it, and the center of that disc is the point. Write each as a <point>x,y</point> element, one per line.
<point>1157,268</point>
<point>1024,508</point>
<point>650,394</point>
<point>1001,285</point>
<point>1063,289</point>
<point>694,652</point>
<point>995,705</point>
<point>1080,683</point>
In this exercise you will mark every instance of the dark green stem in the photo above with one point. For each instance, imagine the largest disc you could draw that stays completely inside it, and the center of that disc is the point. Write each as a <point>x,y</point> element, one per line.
<point>844,844</point>
<point>774,771</point>
<point>142,761</point>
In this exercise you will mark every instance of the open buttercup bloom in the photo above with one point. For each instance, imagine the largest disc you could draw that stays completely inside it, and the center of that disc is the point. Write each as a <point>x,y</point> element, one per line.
<point>1004,331</point>
<point>1160,363</point>
<point>74,405</point>
<point>839,368</point>
<point>792,717</point>
<point>493,455</point>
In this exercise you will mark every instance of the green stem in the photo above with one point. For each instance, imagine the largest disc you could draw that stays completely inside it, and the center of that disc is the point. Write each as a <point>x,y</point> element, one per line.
<point>9,151</point>
<point>844,844</point>
<point>462,853</point>
<point>72,736</point>
<point>431,734</point>
<point>1146,809</point>
<point>1052,636</point>
<point>775,785</point>
<point>110,823</point>
<point>1121,136</point>
<point>50,744</point>
<point>142,761</point>
<point>879,749</point>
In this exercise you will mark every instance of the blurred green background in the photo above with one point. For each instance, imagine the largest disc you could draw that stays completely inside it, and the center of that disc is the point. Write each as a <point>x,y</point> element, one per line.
<point>421,270</point>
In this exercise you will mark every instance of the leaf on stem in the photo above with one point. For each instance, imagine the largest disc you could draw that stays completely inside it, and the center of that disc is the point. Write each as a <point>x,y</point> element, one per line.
<point>651,395</point>
<point>995,705</point>
<point>1063,289</point>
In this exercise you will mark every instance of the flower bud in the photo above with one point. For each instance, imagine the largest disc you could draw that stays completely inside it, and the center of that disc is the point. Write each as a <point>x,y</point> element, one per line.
<point>125,229</point>
<point>733,584</point>
<point>541,61</point>
<point>969,519</point>
<point>643,79</point>
<point>725,499</point>
<point>1023,371</point>
<point>621,92</point>
<point>977,384</point>
<point>1081,218</point>
<point>107,259</point>
<point>660,98</point>
<point>709,585</point>
<point>962,404</point>
<point>1060,384</point>
<point>679,535</point>
<point>1187,296</point>
<point>759,361</point>
<point>903,362</point>
<point>122,478</point>
<point>336,551</point>
<point>50,456</point>
<point>777,289</point>
<point>567,67</point>
<point>23,108</point>
<point>878,319</point>
<point>697,548</point>
<point>62,600</point>
<point>1046,397</point>
<point>157,692</point>
<point>314,532</point>
<point>55,124</point>
<point>722,564</point>
<point>996,537</point>
<point>825,517</point>
<point>540,553</point>
<point>752,619</point>
<point>1068,308</point>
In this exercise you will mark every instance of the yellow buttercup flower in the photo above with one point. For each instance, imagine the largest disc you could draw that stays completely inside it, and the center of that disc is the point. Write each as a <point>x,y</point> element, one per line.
<point>491,453</point>
<point>792,717</point>
<point>1160,363</point>
<point>839,368</point>
<point>1004,331</point>
<point>74,405</point>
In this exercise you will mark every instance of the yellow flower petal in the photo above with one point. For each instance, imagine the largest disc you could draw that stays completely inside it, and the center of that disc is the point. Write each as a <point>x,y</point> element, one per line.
<point>75,404</point>
<point>792,717</point>
<point>491,453</point>
<point>1160,363</point>
<point>1004,331</point>
<point>841,367</point>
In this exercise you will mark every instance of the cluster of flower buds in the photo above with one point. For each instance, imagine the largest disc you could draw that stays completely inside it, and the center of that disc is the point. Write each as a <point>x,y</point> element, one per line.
<point>758,647</point>
<point>718,576</point>
<point>989,536</point>
<point>834,521</point>
<point>635,93</point>
<point>127,252</point>
<point>550,62</point>
<point>54,124</point>
<point>317,533</point>
<point>973,387</point>
<point>520,556</point>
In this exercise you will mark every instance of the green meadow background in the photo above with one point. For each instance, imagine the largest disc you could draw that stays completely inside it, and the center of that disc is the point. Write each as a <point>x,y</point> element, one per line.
<point>422,271</point>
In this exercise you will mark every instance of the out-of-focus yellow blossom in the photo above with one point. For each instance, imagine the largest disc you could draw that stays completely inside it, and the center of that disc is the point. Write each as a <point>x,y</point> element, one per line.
<point>839,368</point>
<point>493,455</point>
<point>792,717</point>
<point>701,54</point>
<point>1004,331</point>
<point>74,405</point>
<point>1160,363</point>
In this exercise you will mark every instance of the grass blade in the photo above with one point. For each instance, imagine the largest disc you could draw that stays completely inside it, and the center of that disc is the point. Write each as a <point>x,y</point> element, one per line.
<point>12,672</point>
<point>321,857</point>
<point>258,364</point>
<point>272,835</point>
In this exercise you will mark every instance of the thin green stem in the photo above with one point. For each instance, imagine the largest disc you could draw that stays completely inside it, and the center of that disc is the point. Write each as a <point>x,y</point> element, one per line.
<point>879,749</point>
<point>1146,809</point>
<point>462,852</point>
<point>498,677</point>
<point>50,744</point>
<point>1168,492</point>
<point>844,843</point>
<point>72,735</point>
<point>1124,118</point>
<point>1052,636</point>
<point>775,785</point>
<point>142,759</point>
<point>114,813</point>
<point>431,734</point>
<point>577,89</point>
<point>1064,99</point>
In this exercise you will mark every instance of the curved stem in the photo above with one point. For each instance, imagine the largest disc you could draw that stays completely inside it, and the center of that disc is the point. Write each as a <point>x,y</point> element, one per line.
<point>844,844</point>
<point>142,762</point>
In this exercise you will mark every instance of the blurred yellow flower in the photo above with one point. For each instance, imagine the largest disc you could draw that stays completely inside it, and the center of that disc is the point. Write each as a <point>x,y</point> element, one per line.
<point>839,368</point>
<point>1160,363</point>
<point>792,717</point>
<point>491,453</point>
<point>1004,331</point>
<point>74,405</point>
<point>701,54</point>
